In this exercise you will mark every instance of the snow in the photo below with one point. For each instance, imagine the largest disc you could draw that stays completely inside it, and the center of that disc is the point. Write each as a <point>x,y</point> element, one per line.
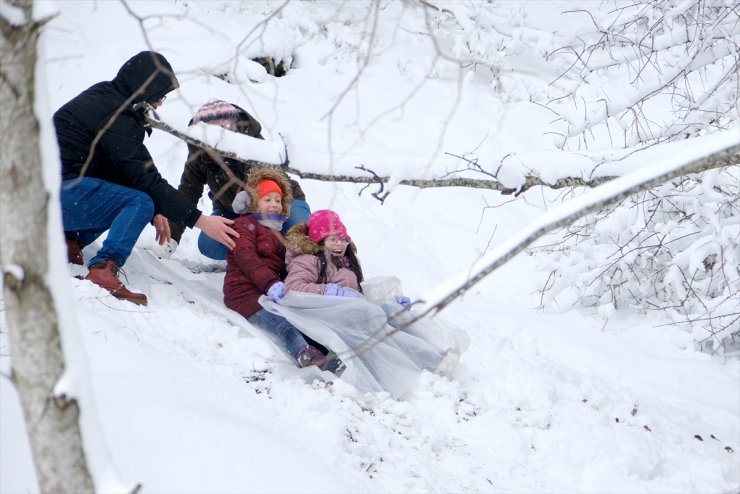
<point>43,10</point>
<point>241,145</point>
<point>12,14</point>
<point>185,396</point>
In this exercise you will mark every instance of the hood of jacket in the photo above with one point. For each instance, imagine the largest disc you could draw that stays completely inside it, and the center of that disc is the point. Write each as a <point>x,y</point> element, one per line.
<point>256,175</point>
<point>148,75</point>
<point>247,124</point>
<point>298,241</point>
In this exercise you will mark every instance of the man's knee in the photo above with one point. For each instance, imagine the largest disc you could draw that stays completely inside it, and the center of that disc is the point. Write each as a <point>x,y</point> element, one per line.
<point>212,249</point>
<point>143,203</point>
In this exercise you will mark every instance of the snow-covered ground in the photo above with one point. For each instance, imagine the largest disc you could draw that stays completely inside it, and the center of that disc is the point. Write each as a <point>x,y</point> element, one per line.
<point>185,396</point>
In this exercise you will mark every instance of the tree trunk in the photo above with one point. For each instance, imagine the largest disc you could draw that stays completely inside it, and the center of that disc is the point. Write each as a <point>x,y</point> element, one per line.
<point>36,352</point>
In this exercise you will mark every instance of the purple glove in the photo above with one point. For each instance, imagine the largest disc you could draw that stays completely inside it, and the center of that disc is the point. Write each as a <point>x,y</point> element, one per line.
<point>338,291</point>
<point>405,301</point>
<point>277,291</point>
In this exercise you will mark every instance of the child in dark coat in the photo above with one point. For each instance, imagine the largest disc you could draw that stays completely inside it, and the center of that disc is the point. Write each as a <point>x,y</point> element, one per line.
<point>256,267</point>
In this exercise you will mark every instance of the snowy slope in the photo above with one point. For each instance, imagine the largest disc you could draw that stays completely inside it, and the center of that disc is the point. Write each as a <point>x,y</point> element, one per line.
<point>187,397</point>
<point>191,401</point>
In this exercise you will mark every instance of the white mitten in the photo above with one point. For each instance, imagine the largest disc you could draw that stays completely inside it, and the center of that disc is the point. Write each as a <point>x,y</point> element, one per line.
<point>165,250</point>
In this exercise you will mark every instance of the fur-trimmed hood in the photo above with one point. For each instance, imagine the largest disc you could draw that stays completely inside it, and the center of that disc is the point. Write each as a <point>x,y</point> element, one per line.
<point>256,175</point>
<point>298,241</point>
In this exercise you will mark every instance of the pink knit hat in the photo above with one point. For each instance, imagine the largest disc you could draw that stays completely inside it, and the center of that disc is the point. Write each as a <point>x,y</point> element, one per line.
<point>325,223</point>
<point>219,112</point>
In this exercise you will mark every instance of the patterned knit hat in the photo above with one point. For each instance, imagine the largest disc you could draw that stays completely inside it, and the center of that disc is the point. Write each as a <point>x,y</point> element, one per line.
<point>325,223</point>
<point>217,110</point>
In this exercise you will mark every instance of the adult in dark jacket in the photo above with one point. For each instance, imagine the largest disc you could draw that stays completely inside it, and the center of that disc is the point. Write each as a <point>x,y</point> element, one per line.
<point>109,182</point>
<point>220,172</point>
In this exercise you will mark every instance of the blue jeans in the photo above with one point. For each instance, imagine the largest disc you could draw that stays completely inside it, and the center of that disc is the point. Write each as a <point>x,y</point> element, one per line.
<point>289,336</point>
<point>215,250</point>
<point>91,206</point>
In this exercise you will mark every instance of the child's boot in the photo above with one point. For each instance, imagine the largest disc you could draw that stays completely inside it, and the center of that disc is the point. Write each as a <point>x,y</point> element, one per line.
<point>309,355</point>
<point>333,364</point>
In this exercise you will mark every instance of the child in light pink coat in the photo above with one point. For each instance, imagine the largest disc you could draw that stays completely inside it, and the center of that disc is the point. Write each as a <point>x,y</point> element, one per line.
<point>322,258</point>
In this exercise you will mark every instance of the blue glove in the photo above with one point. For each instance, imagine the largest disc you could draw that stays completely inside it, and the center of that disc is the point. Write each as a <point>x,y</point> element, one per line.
<point>277,291</point>
<point>338,291</point>
<point>405,301</point>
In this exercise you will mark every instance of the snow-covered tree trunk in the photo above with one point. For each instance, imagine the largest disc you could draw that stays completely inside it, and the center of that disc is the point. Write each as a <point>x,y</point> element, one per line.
<point>36,352</point>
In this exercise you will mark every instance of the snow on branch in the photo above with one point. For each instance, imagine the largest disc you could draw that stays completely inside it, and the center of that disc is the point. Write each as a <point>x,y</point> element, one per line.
<point>11,16</point>
<point>216,140</point>
<point>673,77</point>
<point>244,148</point>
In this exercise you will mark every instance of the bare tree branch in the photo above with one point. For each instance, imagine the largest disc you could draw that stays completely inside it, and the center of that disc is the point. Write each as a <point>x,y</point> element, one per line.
<point>592,201</point>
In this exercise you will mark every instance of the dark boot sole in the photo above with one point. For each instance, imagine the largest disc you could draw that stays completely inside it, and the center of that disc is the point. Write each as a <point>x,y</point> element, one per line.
<point>133,300</point>
<point>333,364</point>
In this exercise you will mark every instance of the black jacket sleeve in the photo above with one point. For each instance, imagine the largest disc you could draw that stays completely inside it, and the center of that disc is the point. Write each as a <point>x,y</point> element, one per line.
<point>123,142</point>
<point>191,186</point>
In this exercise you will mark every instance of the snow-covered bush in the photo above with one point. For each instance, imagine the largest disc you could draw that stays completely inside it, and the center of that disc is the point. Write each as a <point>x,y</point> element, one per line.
<point>622,74</point>
<point>495,44</point>
<point>674,248</point>
<point>649,71</point>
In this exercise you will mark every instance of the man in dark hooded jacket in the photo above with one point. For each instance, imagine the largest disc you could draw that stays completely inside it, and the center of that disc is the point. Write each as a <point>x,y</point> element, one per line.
<point>109,182</point>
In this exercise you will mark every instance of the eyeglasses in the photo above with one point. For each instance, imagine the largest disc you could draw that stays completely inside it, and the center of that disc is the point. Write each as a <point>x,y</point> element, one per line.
<point>335,240</point>
<point>156,103</point>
